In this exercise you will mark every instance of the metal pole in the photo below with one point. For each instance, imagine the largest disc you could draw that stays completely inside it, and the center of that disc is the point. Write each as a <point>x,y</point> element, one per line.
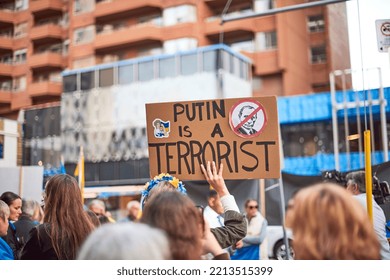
<point>283,213</point>
<point>359,129</point>
<point>282,10</point>
<point>346,123</point>
<point>334,122</point>
<point>383,103</point>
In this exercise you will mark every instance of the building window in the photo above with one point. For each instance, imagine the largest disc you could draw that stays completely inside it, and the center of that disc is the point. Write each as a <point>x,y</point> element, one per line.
<point>266,41</point>
<point>167,67</point>
<point>318,54</point>
<point>21,5</point>
<point>6,85</point>
<point>263,5</point>
<point>179,14</point>
<point>145,71</point>
<point>210,61</point>
<point>87,80</point>
<point>20,30</point>
<point>182,44</point>
<point>126,74</point>
<point>70,83</point>
<point>83,6</point>
<point>84,35</point>
<point>316,23</point>
<point>106,77</point>
<point>19,84</point>
<point>189,64</point>
<point>20,56</point>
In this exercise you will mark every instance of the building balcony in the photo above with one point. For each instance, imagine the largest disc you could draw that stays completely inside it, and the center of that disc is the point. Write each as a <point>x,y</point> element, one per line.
<point>6,43</point>
<point>5,96</point>
<point>234,29</point>
<point>20,69</point>
<point>39,7</point>
<point>133,35</point>
<point>46,61</point>
<point>46,34</point>
<point>45,88</point>
<point>220,4</point>
<point>6,16</point>
<point>266,62</point>
<point>5,70</point>
<point>110,10</point>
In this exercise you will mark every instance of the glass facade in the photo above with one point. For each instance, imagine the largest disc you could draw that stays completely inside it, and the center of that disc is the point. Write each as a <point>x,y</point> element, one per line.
<point>163,66</point>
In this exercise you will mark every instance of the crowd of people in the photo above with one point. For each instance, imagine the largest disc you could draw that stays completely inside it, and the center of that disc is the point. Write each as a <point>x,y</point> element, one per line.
<point>328,222</point>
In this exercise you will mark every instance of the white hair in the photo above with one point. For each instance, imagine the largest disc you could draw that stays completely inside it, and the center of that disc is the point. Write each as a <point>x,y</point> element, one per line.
<point>125,241</point>
<point>4,210</point>
<point>132,203</point>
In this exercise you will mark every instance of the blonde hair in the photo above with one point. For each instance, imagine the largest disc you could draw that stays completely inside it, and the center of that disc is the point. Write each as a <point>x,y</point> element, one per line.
<point>328,224</point>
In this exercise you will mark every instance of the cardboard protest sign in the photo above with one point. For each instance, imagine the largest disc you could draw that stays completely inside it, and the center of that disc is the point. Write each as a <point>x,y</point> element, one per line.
<point>243,134</point>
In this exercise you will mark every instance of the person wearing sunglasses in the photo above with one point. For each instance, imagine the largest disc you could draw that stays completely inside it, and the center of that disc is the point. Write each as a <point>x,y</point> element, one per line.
<point>249,247</point>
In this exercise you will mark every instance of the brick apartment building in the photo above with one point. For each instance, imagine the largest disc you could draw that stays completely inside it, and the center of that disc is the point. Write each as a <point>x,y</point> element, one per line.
<point>292,53</point>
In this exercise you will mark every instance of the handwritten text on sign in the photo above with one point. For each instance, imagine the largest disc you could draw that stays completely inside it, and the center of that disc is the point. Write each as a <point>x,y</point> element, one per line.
<point>240,133</point>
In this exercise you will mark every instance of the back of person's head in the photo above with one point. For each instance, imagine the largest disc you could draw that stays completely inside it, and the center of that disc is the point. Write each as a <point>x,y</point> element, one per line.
<point>125,241</point>
<point>358,178</point>
<point>69,224</point>
<point>93,217</point>
<point>4,214</point>
<point>9,197</point>
<point>177,215</point>
<point>328,224</point>
<point>29,207</point>
<point>161,183</point>
<point>97,206</point>
<point>4,210</point>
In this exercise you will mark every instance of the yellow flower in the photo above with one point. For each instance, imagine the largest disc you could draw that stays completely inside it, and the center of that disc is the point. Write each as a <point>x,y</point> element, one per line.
<point>175,182</point>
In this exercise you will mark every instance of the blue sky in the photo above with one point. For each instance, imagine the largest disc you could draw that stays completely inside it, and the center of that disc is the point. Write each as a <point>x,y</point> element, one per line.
<point>369,10</point>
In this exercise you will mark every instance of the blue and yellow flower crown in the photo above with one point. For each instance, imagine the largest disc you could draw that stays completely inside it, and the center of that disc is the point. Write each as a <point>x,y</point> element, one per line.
<point>176,183</point>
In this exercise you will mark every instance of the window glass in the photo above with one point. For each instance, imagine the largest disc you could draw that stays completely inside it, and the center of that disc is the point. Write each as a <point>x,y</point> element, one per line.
<point>316,23</point>
<point>70,83</point>
<point>145,71</point>
<point>318,54</point>
<point>106,77</point>
<point>167,67</point>
<point>266,40</point>
<point>87,80</point>
<point>210,61</point>
<point>189,64</point>
<point>126,74</point>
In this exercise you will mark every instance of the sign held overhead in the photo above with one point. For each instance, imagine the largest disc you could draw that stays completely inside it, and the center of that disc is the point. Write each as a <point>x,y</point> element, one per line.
<point>243,134</point>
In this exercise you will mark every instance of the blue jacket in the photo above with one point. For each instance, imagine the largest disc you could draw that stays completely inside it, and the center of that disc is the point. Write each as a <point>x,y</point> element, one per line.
<point>6,252</point>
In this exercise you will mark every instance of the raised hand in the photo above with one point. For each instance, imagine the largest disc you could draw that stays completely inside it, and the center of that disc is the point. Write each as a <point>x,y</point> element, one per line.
<point>215,178</point>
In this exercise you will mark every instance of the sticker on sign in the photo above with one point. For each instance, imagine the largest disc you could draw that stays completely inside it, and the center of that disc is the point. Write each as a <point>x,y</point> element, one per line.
<point>383,34</point>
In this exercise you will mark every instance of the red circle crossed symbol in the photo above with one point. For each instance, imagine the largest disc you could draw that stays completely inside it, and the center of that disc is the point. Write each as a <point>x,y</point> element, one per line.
<point>247,118</point>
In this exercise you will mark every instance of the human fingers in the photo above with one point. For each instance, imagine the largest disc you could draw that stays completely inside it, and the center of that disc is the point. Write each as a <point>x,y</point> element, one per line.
<point>214,168</point>
<point>220,170</point>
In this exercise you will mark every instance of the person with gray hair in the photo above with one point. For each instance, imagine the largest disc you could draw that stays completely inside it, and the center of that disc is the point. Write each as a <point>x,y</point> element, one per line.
<point>6,252</point>
<point>356,185</point>
<point>133,211</point>
<point>125,241</point>
<point>31,216</point>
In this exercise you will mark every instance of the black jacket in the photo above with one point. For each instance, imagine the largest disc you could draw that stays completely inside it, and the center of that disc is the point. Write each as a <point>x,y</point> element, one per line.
<point>39,245</point>
<point>234,229</point>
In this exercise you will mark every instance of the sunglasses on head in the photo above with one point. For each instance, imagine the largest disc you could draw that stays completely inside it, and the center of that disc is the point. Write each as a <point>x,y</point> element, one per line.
<point>253,207</point>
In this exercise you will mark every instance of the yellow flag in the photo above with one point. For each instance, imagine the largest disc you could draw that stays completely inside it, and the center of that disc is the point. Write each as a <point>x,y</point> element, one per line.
<point>79,171</point>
